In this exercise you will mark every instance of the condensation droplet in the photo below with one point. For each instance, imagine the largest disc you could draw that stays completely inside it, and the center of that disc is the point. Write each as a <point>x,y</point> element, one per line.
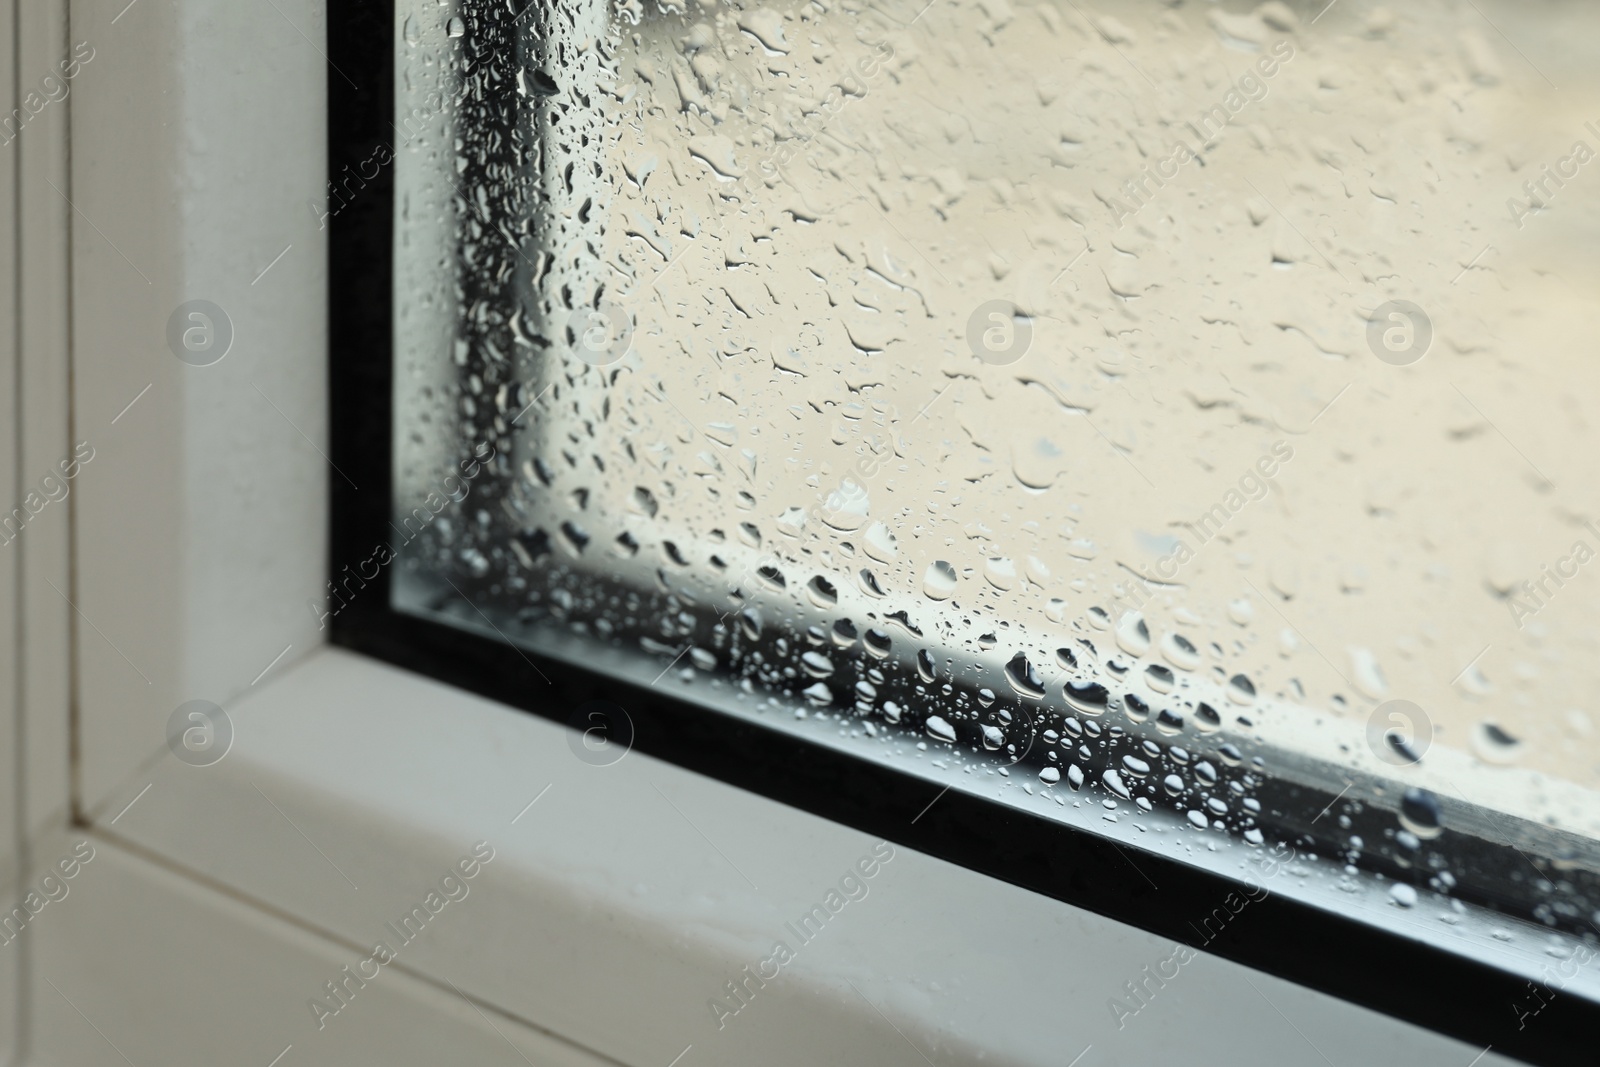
<point>1179,651</point>
<point>816,664</point>
<point>1133,636</point>
<point>939,582</point>
<point>1087,697</point>
<point>1419,813</point>
<point>1000,573</point>
<point>879,543</point>
<point>1492,744</point>
<point>822,592</point>
<point>1159,678</point>
<point>819,694</point>
<point>1023,678</point>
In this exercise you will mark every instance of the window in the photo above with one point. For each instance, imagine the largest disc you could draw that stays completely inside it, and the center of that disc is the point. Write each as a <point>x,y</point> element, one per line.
<point>1119,453</point>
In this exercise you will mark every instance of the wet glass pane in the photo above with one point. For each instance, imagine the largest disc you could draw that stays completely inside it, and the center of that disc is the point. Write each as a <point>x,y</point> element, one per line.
<point>1173,419</point>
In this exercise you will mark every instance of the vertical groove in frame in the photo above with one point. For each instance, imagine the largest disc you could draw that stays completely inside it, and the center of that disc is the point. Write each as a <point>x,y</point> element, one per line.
<point>23,1006</point>
<point>75,814</point>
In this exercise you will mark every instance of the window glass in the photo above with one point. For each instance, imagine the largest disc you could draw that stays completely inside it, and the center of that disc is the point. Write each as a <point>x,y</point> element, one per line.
<point>1172,421</point>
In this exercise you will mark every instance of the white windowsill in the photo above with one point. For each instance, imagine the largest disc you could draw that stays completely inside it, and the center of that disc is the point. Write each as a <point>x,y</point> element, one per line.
<point>620,903</point>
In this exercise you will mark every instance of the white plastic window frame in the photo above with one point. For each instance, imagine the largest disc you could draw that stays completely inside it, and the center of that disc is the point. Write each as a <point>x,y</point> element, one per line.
<point>178,569</point>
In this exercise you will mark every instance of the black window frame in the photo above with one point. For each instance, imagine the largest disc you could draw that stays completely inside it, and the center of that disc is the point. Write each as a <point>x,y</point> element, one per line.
<point>1349,958</point>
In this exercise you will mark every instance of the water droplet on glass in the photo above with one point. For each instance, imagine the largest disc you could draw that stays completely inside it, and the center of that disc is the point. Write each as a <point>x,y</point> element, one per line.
<point>1419,813</point>
<point>1133,636</point>
<point>1159,678</point>
<point>1000,573</point>
<point>940,580</point>
<point>879,543</point>
<point>1023,678</point>
<point>1087,697</point>
<point>816,664</point>
<point>822,592</point>
<point>576,537</point>
<point>846,507</point>
<point>1179,651</point>
<point>1493,744</point>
